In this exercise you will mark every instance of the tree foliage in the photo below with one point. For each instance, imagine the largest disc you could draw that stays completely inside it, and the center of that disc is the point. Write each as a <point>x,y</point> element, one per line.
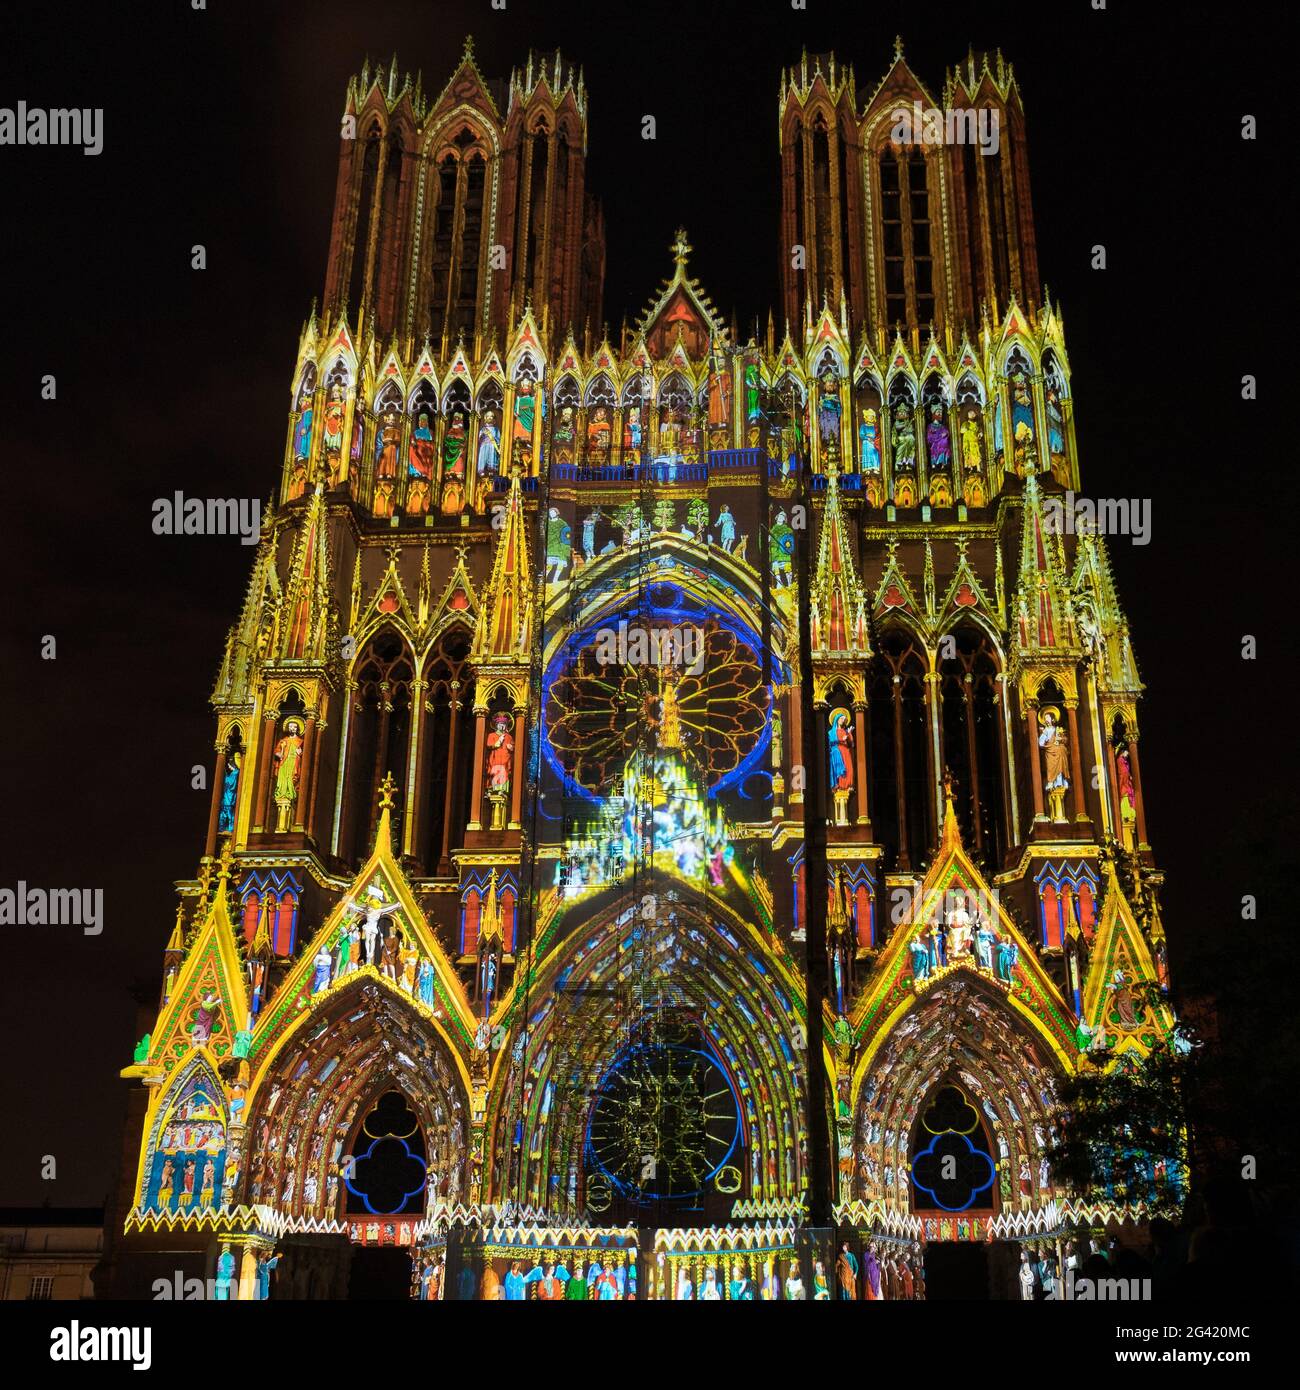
<point>1124,1137</point>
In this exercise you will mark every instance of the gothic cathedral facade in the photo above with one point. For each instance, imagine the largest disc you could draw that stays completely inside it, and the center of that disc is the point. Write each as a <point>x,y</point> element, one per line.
<point>669,788</point>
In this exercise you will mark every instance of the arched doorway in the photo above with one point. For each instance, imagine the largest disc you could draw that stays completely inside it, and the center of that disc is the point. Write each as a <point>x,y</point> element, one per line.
<point>308,1126</point>
<point>954,1116</point>
<point>658,1076</point>
<point>665,1141</point>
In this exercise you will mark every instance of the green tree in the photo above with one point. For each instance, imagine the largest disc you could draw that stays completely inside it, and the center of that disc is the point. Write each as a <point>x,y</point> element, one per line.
<point>1125,1135</point>
<point>629,518</point>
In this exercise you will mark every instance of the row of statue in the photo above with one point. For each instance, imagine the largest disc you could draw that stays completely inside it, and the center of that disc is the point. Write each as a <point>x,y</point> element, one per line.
<point>675,431</point>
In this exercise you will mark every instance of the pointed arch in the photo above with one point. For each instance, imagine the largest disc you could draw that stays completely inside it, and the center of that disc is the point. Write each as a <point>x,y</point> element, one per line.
<point>963,1033</point>
<point>379,731</point>
<point>319,1081</point>
<point>183,1159</point>
<point>581,1011</point>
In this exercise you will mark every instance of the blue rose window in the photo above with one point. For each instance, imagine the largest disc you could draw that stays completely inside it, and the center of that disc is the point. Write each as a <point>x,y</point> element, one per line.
<point>952,1167</point>
<point>389,1170</point>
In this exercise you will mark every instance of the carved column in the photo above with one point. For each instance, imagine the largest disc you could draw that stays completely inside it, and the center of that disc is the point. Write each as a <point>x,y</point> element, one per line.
<point>304,774</point>
<point>378,771</point>
<point>309,820</point>
<point>860,730</point>
<point>1117,809</point>
<point>1140,806</point>
<point>1076,762</point>
<point>517,774</point>
<point>833,278</point>
<point>1036,762</point>
<point>210,845</point>
<point>449,798</point>
<point>418,725</point>
<point>372,230</point>
<point>1065,899</point>
<point>1010,801</point>
<point>934,771</point>
<point>808,227</point>
<point>794,721</point>
<point>900,775</point>
<point>346,739</point>
<point>265,747</point>
<point>972,758</point>
<point>476,802</point>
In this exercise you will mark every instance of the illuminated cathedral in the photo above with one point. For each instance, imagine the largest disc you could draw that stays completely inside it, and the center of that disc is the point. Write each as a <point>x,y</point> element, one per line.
<point>676,807</point>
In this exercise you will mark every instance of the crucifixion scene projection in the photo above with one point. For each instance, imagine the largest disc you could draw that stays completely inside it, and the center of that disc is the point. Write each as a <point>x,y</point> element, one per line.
<point>677,815</point>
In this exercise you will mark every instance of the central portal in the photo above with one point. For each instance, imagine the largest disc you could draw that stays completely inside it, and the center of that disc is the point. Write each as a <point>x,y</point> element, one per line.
<point>665,1136</point>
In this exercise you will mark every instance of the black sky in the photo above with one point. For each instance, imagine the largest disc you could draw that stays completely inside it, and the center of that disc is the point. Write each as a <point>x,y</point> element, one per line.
<point>221,128</point>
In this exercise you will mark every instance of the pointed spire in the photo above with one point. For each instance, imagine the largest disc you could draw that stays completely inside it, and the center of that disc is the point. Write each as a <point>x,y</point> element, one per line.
<point>838,602</point>
<point>262,936</point>
<point>1040,596</point>
<point>950,837</point>
<point>309,603</point>
<point>929,579</point>
<point>505,617</point>
<point>490,914</point>
<point>999,583</point>
<point>837,916</point>
<point>225,862</point>
<point>681,249</point>
<point>425,592</point>
<point>356,593</point>
<point>250,639</point>
<point>176,942</point>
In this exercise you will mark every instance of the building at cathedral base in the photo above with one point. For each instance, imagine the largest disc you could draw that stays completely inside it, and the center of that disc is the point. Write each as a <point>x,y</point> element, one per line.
<point>677,816</point>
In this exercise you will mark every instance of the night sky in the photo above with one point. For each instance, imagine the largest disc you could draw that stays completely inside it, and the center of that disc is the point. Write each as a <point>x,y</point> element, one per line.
<point>221,128</point>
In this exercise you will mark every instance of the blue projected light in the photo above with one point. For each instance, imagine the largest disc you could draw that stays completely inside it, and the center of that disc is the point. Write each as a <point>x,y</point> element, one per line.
<point>975,1170</point>
<point>670,607</point>
<point>619,1143</point>
<point>418,1174</point>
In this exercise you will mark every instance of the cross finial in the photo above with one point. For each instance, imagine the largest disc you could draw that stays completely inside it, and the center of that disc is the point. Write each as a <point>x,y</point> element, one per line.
<point>387,788</point>
<point>898,47</point>
<point>681,248</point>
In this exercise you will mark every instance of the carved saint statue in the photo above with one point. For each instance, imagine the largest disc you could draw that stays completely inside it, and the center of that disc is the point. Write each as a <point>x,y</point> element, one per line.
<point>839,737</point>
<point>229,790</point>
<point>869,442</point>
<point>500,767</point>
<point>1051,738</point>
<point>938,440</point>
<point>288,756</point>
<point>959,930</point>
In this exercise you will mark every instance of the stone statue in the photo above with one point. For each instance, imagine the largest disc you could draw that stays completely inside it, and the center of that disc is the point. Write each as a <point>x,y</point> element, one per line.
<point>229,791</point>
<point>920,956</point>
<point>959,930</point>
<point>1051,738</point>
<point>1008,954</point>
<point>286,760</point>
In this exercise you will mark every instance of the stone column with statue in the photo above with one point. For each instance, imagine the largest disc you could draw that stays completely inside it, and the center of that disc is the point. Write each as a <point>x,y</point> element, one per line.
<point>1052,740</point>
<point>286,764</point>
